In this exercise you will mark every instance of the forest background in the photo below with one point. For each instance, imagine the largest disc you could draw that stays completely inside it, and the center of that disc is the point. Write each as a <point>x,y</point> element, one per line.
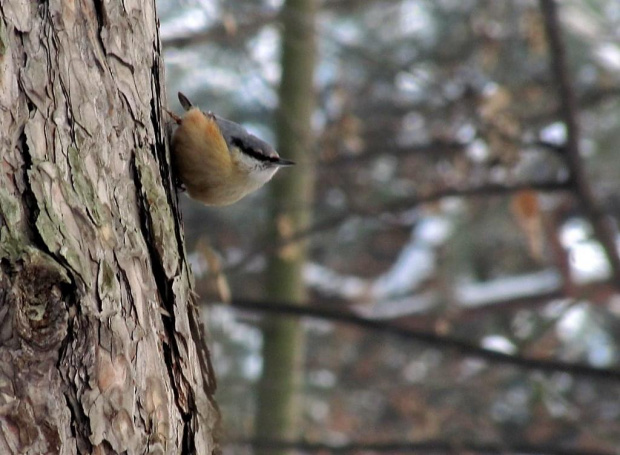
<point>456,226</point>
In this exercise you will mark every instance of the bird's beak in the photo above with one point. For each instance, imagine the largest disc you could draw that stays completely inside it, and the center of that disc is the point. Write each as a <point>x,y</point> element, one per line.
<point>283,162</point>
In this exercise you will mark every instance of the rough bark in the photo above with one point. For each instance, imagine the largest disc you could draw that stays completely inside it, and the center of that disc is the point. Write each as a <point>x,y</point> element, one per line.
<point>291,199</point>
<point>100,344</point>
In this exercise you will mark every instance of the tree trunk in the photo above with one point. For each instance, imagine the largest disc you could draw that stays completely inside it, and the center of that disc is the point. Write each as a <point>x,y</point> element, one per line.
<point>291,199</point>
<point>100,344</point>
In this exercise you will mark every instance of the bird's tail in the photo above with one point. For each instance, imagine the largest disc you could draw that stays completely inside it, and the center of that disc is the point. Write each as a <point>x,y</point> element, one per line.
<point>187,104</point>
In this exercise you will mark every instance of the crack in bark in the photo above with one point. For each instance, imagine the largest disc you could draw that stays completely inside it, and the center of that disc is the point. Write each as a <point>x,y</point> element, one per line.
<point>100,17</point>
<point>161,145</point>
<point>196,327</point>
<point>164,287</point>
<point>80,426</point>
<point>160,149</point>
<point>124,279</point>
<point>31,206</point>
<point>32,209</point>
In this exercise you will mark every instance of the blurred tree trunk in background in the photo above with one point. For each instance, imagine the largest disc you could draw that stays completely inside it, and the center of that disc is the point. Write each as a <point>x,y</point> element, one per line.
<point>100,344</point>
<point>291,202</point>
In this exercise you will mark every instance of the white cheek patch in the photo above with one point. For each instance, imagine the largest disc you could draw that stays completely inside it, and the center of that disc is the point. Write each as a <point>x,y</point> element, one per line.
<point>259,173</point>
<point>264,175</point>
<point>248,161</point>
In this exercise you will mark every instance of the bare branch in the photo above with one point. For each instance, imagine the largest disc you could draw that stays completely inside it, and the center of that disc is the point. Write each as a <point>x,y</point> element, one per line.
<point>222,31</point>
<point>601,224</point>
<point>435,148</point>
<point>400,205</point>
<point>432,339</point>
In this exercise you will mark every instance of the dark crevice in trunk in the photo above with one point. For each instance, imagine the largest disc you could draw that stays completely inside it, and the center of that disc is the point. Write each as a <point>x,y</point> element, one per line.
<point>161,131</point>
<point>31,208</point>
<point>164,287</point>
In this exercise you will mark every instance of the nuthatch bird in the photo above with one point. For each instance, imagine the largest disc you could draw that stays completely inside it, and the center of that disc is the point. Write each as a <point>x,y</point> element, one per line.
<point>217,160</point>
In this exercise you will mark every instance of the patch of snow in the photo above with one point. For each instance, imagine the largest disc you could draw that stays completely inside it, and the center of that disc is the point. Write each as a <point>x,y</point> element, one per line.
<point>588,262</point>
<point>415,264</point>
<point>433,230</point>
<point>554,133</point>
<point>499,344</point>
<point>471,294</point>
<point>330,282</point>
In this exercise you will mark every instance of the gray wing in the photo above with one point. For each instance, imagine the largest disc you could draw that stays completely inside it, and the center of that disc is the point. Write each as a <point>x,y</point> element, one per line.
<point>237,135</point>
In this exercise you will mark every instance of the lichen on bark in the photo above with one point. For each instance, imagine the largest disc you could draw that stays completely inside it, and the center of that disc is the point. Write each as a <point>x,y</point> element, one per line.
<point>100,345</point>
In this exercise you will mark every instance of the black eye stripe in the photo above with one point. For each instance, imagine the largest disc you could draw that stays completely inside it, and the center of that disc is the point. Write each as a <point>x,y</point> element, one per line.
<point>253,152</point>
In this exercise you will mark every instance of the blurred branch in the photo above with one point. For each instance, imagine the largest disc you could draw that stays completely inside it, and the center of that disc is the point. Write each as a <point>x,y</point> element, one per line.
<point>348,6</point>
<point>443,447</point>
<point>223,31</point>
<point>432,339</point>
<point>586,100</point>
<point>601,224</point>
<point>400,205</point>
<point>490,189</point>
<point>434,148</point>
